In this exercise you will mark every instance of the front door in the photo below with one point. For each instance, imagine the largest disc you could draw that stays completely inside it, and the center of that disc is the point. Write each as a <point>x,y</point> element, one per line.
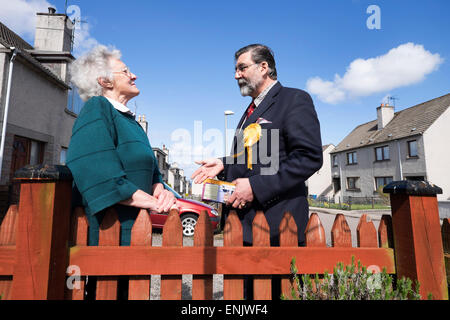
<point>25,151</point>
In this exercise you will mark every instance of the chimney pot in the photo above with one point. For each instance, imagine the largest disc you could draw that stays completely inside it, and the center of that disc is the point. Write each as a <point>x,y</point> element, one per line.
<point>385,113</point>
<point>51,10</point>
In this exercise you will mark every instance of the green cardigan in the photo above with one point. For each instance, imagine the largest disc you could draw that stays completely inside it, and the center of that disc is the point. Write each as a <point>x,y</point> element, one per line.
<point>110,156</point>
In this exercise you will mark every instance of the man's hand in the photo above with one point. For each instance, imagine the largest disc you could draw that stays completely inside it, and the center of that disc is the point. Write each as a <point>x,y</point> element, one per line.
<point>209,169</point>
<point>242,195</point>
<point>166,199</point>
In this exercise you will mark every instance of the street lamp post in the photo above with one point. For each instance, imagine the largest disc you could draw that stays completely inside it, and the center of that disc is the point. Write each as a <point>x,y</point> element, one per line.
<point>226,113</point>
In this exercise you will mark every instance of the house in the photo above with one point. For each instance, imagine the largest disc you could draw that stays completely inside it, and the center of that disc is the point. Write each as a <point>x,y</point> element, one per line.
<point>162,156</point>
<point>171,173</point>
<point>34,92</point>
<point>408,144</point>
<point>319,184</point>
<point>175,177</point>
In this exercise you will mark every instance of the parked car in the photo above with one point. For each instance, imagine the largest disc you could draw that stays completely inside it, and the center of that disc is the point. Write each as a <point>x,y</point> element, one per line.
<point>189,213</point>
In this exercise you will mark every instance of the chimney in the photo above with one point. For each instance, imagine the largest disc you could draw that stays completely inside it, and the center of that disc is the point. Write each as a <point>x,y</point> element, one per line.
<point>53,32</point>
<point>53,42</point>
<point>143,123</point>
<point>166,150</point>
<point>385,113</point>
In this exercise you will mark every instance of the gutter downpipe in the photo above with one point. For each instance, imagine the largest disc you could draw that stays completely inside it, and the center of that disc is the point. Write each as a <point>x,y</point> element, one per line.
<point>5,114</point>
<point>341,180</point>
<point>400,168</point>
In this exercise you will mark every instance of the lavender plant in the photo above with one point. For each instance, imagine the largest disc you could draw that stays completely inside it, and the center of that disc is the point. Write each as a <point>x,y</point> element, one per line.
<point>352,282</point>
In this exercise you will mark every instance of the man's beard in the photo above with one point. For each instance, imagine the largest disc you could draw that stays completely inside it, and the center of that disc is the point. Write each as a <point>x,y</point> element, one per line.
<point>248,87</point>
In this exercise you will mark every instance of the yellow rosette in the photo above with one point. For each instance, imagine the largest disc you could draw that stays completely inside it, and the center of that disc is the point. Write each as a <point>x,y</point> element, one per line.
<point>252,134</point>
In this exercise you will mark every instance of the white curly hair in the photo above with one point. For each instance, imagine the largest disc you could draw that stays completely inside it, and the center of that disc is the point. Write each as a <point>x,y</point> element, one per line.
<point>85,71</point>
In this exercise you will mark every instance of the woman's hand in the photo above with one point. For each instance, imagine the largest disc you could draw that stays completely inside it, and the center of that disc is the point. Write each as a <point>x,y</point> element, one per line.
<point>166,199</point>
<point>143,200</point>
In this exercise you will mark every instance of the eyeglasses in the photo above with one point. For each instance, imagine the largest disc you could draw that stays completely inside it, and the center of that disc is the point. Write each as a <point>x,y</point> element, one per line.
<point>241,68</point>
<point>126,71</point>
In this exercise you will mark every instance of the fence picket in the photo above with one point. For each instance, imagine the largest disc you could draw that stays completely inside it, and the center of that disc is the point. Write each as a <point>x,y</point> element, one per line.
<point>366,233</point>
<point>9,226</point>
<point>233,285</point>
<point>172,237</point>
<point>79,237</point>
<point>109,235</point>
<point>314,232</point>
<point>43,227</point>
<point>202,285</point>
<point>288,238</point>
<point>385,237</point>
<point>261,238</point>
<point>8,238</point>
<point>445,232</point>
<point>141,235</point>
<point>341,235</point>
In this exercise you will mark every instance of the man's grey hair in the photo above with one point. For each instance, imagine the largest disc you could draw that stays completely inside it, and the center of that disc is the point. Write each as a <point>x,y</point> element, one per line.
<point>95,64</point>
<point>260,53</point>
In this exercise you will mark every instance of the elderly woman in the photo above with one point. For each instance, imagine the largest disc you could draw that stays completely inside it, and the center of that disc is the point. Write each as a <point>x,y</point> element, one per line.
<point>110,156</point>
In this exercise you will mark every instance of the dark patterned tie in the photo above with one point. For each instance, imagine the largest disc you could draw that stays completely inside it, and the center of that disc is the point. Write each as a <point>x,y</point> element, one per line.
<point>250,109</point>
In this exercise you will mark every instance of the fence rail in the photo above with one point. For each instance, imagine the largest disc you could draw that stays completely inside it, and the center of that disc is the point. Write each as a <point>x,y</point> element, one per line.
<point>44,252</point>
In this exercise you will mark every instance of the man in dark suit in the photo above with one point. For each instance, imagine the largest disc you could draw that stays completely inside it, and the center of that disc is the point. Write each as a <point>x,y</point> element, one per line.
<point>287,154</point>
<point>282,130</point>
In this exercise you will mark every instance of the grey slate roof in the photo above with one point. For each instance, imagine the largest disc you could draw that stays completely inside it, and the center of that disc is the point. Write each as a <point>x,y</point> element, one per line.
<point>408,122</point>
<point>9,38</point>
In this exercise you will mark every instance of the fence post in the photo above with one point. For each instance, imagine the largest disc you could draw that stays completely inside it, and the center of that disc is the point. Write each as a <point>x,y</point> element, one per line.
<point>43,232</point>
<point>417,237</point>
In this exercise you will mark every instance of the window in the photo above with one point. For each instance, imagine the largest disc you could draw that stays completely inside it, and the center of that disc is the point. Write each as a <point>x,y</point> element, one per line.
<point>382,181</point>
<point>335,162</point>
<point>63,156</point>
<point>352,183</point>
<point>382,153</point>
<point>74,102</point>
<point>412,149</point>
<point>351,158</point>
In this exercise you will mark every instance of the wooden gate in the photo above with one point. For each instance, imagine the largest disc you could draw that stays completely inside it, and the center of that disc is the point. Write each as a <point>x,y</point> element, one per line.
<point>44,252</point>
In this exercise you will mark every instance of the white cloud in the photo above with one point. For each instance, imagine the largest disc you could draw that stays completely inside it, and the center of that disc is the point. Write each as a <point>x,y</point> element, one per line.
<point>82,40</point>
<point>405,65</point>
<point>20,16</point>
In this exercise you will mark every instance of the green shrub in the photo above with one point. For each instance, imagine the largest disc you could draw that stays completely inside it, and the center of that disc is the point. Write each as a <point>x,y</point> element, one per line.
<point>351,283</point>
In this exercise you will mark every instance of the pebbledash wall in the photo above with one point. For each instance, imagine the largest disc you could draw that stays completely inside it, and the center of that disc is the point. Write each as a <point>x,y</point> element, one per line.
<point>36,111</point>
<point>437,159</point>
<point>39,89</point>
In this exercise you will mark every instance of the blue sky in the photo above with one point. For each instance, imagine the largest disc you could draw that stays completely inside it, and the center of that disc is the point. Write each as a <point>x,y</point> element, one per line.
<point>183,55</point>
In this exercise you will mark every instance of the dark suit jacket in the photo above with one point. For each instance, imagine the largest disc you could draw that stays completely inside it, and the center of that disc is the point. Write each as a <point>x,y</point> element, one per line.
<point>291,137</point>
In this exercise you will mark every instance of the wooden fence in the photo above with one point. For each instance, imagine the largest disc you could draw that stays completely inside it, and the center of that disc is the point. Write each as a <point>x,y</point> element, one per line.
<point>43,245</point>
